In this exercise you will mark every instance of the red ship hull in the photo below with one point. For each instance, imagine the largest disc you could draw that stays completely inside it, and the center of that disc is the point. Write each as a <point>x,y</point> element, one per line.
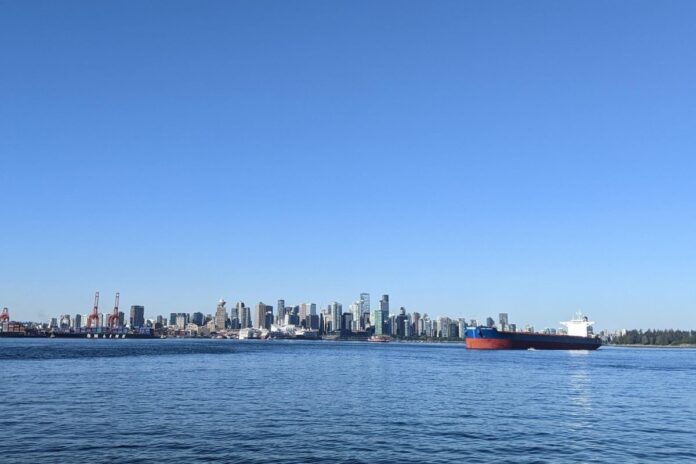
<point>491,339</point>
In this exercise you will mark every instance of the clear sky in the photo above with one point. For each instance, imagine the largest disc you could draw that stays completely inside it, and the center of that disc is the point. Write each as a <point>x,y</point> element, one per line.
<point>465,157</point>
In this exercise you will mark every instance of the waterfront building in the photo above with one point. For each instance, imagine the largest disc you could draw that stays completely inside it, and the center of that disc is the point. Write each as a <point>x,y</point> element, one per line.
<point>346,322</point>
<point>221,315</point>
<point>312,322</point>
<point>428,329</point>
<point>244,315</point>
<point>64,322</point>
<point>401,321</point>
<point>77,321</point>
<point>384,307</point>
<point>490,322</point>
<point>336,311</point>
<point>443,325</point>
<point>355,310</point>
<point>268,317</point>
<point>280,317</point>
<point>198,319</point>
<point>182,320</point>
<point>377,322</point>
<point>365,303</point>
<point>415,322</point>
<point>137,316</point>
<point>462,327</point>
<point>503,319</point>
<point>259,316</point>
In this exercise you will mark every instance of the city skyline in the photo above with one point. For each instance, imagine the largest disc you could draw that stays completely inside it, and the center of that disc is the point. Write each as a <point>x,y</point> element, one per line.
<point>247,311</point>
<point>460,156</point>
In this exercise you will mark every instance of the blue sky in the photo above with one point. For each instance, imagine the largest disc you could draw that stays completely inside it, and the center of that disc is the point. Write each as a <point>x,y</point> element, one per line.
<point>467,158</point>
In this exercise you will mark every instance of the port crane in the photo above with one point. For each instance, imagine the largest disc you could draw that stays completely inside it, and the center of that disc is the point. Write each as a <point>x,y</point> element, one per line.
<point>94,315</point>
<point>5,315</point>
<point>113,317</point>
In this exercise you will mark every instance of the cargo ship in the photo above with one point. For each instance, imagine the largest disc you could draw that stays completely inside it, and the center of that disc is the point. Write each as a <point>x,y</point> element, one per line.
<point>579,337</point>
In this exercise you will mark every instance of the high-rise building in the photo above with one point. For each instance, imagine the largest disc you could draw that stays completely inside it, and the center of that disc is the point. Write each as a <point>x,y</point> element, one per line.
<point>336,310</point>
<point>198,318</point>
<point>259,316</point>
<point>243,314</point>
<point>384,307</point>
<point>377,322</point>
<point>280,317</point>
<point>221,315</point>
<point>137,316</point>
<point>365,303</point>
<point>462,327</point>
<point>355,310</point>
<point>415,324</point>
<point>77,321</point>
<point>503,319</point>
<point>490,322</point>
<point>443,326</point>
<point>182,320</point>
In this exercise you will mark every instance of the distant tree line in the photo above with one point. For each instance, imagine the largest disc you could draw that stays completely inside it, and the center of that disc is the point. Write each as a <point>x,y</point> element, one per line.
<point>656,337</point>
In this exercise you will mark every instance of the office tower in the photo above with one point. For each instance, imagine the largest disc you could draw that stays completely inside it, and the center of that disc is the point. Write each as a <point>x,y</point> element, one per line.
<point>303,311</point>
<point>268,317</point>
<point>280,317</point>
<point>365,303</point>
<point>312,309</point>
<point>503,319</point>
<point>259,317</point>
<point>243,314</point>
<point>312,322</point>
<point>198,318</point>
<point>346,322</point>
<point>336,310</point>
<point>172,319</point>
<point>443,326</point>
<point>77,321</point>
<point>355,310</point>
<point>384,307</point>
<point>415,322</point>
<point>181,320</point>
<point>221,315</point>
<point>137,316</point>
<point>490,322</point>
<point>377,322</point>
<point>462,327</point>
<point>400,323</point>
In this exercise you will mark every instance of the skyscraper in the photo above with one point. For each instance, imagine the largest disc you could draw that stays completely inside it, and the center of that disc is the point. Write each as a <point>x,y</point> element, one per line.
<point>280,317</point>
<point>377,322</point>
<point>384,308</point>
<point>356,311</point>
<point>365,303</point>
<point>503,319</point>
<point>220,315</point>
<point>259,316</point>
<point>336,316</point>
<point>137,316</point>
<point>243,314</point>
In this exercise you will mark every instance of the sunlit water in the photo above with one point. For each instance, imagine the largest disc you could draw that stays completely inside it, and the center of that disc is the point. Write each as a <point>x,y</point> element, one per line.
<point>270,401</point>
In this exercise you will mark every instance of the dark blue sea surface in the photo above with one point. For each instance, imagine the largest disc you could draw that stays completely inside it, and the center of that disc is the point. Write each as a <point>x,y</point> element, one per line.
<point>73,401</point>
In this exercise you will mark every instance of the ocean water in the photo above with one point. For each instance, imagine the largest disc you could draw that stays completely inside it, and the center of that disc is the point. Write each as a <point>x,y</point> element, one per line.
<point>73,401</point>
